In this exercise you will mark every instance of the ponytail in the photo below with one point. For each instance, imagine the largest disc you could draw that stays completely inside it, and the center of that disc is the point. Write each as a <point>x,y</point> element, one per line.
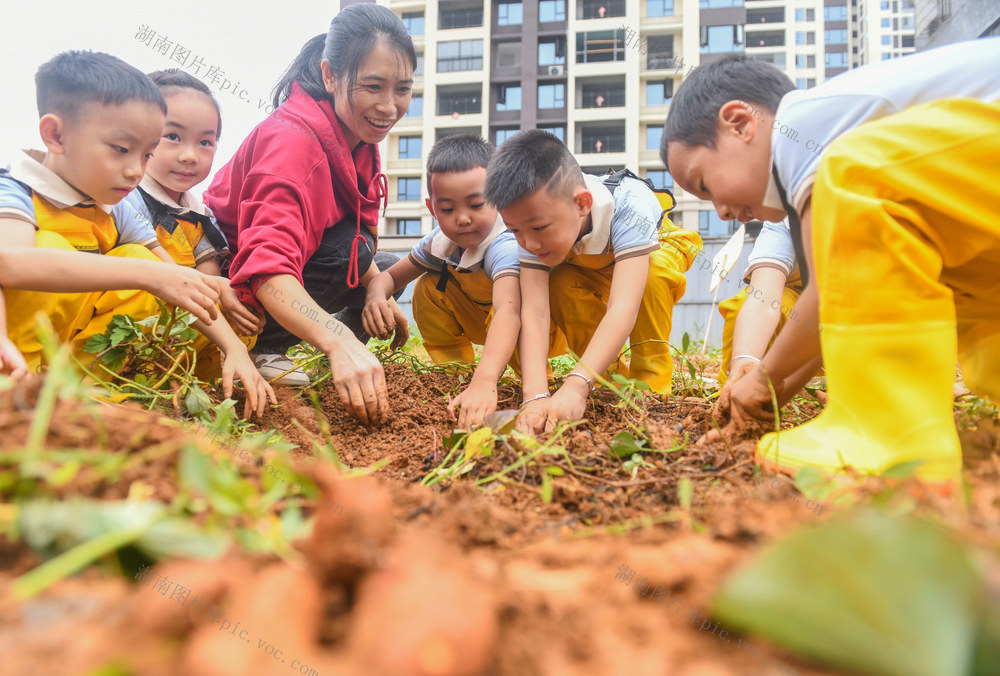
<point>305,70</point>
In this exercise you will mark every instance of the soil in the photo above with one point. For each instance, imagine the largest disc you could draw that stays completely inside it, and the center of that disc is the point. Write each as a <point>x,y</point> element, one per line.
<point>512,575</point>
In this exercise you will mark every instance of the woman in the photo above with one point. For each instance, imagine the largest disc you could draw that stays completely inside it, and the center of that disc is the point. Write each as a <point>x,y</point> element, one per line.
<point>300,200</point>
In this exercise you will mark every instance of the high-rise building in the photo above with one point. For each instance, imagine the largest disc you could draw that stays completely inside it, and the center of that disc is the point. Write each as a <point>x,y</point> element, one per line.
<point>886,29</point>
<point>940,22</point>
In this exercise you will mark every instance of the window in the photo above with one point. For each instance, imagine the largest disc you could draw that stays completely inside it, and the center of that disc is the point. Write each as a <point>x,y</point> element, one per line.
<point>659,7</point>
<point>777,59</point>
<point>717,4</point>
<point>552,51</point>
<point>552,95</point>
<point>884,5</point>
<point>594,46</point>
<point>886,57</point>
<point>907,41</point>
<point>462,99</point>
<point>661,179</point>
<point>837,60</point>
<point>508,98</point>
<point>600,9</point>
<point>660,53</point>
<point>409,189</point>
<point>504,134</point>
<point>772,38</point>
<point>509,55</point>
<point>838,13</point>
<point>551,10</point>
<point>800,83</point>
<point>805,15</point>
<point>721,39</point>
<point>460,18</point>
<point>710,224</point>
<point>410,147</point>
<point>510,14</point>
<point>810,82</point>
<point>419,70</point>
<point>659,93</point>
<point>460,55</point>
<point>600,93</point>
<point>653,136</point>
<point>416,108</point>
<point>408,226</point>
<point>806,38</point>
<point>414,22</point>
<point>603,139</point>
<point>835,37</point>
<point>886,23</point>
<point>768,15</point>
<point>886,40</point>
<point>907,23</point>
<point>557,131</point>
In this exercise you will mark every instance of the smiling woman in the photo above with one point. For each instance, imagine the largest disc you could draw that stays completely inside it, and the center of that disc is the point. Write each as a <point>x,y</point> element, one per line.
<point>299,201</point>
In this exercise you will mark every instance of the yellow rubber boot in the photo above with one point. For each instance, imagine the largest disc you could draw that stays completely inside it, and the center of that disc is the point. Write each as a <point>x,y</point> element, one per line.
<point>890,401</point>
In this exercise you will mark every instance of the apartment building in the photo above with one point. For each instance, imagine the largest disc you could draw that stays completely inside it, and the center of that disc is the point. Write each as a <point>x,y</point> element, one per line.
<point>941,22</point>
<point>886,29</point>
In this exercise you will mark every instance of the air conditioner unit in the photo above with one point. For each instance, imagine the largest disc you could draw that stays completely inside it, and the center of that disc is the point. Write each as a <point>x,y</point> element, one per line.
<point>557,70</point>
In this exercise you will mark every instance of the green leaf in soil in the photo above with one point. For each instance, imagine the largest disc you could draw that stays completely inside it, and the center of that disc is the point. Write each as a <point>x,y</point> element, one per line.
<point>685,491</point>
<point>869,593</point>
<point>624,445</point>
<point>546,488</point>
<point>197,400</point>
<point>812,483</point>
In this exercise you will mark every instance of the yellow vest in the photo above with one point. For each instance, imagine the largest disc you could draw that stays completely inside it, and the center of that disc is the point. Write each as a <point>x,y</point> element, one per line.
<point>476,285</point>
<point>181,244</point>
<point>85,228</point>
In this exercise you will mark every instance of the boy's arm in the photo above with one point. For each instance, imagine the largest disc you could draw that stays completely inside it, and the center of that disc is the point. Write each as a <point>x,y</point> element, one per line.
<point>24,266</point>
<point>378,316</point>
<point>237,364</point>
<point>534,347</point>
<point>480,398</point>
<point>757,319</point>
<point>247,322</point>
<point>627,286</point>
<point>795,347</point>
<point>11,359</point>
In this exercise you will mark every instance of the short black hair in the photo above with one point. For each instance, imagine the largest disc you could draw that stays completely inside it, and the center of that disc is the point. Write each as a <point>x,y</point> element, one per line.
<point>694,110</point>
<point>530,160</point>
<point>69,81</point>
<point>458,152</point>
<point>172,79</point>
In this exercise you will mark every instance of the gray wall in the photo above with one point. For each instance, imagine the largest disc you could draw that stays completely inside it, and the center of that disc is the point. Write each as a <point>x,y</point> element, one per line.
<point>691,314</point>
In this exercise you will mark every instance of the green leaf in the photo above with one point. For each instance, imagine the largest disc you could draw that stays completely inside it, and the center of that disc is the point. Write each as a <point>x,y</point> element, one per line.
<point>624,445</point>
<point>867,593</point>
<point>685,491</point>
<point>685,342</point>
<point>554,470</point>
<point>114,358</point>
<point>96,343</point>
<point>902,470</point>
<point>547,489</point>
<point>197,400</point>
<point>812,483</point>
<point>502,421</point>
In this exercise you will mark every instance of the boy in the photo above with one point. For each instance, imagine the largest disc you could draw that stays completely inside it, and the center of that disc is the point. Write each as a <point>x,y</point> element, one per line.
<point>899,242</point>
<point>755,315</point>
<point>100,121</point>
<point>468,268</point>
<point>591,260</point>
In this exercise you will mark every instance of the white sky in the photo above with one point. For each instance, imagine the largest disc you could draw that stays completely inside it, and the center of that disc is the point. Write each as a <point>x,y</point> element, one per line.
<point>251,41</point>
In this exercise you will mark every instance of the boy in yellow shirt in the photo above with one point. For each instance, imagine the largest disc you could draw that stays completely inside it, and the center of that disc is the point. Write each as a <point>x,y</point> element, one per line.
<point>101,120</point>
<point>592,263</point>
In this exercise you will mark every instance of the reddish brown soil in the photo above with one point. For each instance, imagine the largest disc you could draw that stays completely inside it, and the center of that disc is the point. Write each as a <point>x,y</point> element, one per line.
<point>452,579</point>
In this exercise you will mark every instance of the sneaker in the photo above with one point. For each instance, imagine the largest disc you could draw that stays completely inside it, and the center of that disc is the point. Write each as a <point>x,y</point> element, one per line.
<point>278,369</point>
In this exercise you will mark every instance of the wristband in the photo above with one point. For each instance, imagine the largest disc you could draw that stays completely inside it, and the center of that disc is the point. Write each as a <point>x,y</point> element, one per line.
<point>543,395</point>
<point>742,356</point>
<point>580,375</point>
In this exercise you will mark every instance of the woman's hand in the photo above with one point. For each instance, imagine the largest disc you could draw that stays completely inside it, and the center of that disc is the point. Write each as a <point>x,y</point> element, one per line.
<point>360,381</point>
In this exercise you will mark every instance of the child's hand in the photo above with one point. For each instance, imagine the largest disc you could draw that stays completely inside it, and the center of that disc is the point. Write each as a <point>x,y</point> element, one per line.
<point>11,360</point>
<point>238,364</point>
<point>568,403</point>
<point>401,327</point>
<point>742,406</point>
<point>378,317</point>
<point>740,368</point>
<point>474,404</point>
<point>533,415</point>
<point>186,288</point>
<point>245,320</point>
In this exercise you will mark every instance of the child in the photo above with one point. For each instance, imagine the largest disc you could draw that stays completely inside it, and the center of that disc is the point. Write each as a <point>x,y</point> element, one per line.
<point>185,228</point>
<point>890,173</point>
<point>468,292</point>
<point>755,315</point>
<point>594,259</point>
<point>100,121</point>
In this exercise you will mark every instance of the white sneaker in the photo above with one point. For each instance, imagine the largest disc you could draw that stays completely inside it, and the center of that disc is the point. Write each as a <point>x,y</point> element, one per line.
<point>278,369</point>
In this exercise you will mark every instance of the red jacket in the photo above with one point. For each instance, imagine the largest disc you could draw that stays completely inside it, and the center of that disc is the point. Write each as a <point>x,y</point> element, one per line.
<point>292,178</point>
